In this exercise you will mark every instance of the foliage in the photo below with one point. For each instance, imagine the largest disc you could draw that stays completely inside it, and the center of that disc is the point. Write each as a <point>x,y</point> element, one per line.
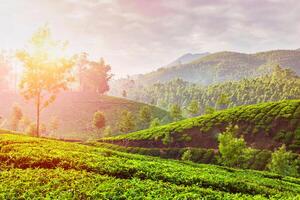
<point>282,84</point>
<point>233,151</point>
<point>107,131</point>
<point>126,122</point>
<point>187,155</point>
<point>46,70</point>
<point>124,94</point>
<point>258,121</point>
<point>41,168</point>
<point>145,116</point>
<point>176,112</point>
<point>283,162</point>
<point>154,123</point>
<point>193,108</point>
<point>15,118</point>
<point>222,102</point>
<point>93,75</point>
<point>99,120</point>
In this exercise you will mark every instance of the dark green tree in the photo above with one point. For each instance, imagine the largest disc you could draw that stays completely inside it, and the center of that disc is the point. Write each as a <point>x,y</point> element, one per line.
<point>176,112</point>
<point>127,122</point>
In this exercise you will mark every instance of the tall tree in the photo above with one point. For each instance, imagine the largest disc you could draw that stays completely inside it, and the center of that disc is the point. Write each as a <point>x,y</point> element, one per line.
<point>93,75</point>
<point>145,116</point>
<point>193,108</point>
<point>46,70</point>
<point>222,102</point>
<point>176,112</point>
<point>16,117</point>
<point>126,122</point>
<point>99,120</point>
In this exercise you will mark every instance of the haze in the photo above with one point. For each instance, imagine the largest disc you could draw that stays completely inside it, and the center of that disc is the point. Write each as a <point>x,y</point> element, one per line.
<point>139,36</point>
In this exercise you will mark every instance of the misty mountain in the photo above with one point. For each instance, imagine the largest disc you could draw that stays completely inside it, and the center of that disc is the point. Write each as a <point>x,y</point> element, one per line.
<point>187,58</point>
<point>222,66</point>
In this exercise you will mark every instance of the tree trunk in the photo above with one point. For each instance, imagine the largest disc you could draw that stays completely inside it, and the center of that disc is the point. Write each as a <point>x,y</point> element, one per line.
<point>38,115</point>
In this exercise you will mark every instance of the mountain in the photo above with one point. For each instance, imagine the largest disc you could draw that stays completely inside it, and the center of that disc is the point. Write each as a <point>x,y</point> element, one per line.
<point>187,58</point>
<point>264,126</point>
<point>223,66</point>
<point>36,168</point>
<point>75,110</point>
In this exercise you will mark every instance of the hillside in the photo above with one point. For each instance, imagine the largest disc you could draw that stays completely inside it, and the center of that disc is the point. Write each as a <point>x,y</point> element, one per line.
<point>187,58</point>
<point>75,110</point>
<point>264,126</point>
<point>222,66</point>
<point>281,84</point>
<point>50,169</point>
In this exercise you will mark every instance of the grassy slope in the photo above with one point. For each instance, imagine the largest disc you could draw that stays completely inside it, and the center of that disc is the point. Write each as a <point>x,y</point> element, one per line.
<point>75,111</point>
<point>265,125</point>
<point>41,168</point>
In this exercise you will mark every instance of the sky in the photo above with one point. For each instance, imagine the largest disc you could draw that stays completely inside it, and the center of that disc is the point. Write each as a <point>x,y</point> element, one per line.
<point>138,36</point>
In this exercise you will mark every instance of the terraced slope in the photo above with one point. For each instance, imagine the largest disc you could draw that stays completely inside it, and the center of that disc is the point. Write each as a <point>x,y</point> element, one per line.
<point>48,169</point>
<point>264,126</point>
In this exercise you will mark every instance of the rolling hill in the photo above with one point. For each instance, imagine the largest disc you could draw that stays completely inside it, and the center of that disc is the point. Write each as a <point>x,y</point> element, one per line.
<point>50,169</point>
<point>75,110</point>
<point>264,126</point>
<point>222,66</point>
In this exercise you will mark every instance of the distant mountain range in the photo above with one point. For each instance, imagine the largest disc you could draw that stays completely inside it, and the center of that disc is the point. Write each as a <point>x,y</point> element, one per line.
<point>222,66</point>
<point>187,58</point>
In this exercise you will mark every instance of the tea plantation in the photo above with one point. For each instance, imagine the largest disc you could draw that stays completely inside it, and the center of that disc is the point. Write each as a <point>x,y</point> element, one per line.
<point>32,168</point>
<point>264,126</point>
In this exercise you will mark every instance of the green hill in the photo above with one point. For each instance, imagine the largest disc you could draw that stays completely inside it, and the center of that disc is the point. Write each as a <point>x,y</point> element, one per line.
<point>281,84</point>
<point>74,111</point>
<point>264,126</point>
<point>222,66</point>
<point>33,168</point>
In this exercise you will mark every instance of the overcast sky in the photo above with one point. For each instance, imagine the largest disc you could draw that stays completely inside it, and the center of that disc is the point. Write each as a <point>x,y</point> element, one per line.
<point>137,36</point>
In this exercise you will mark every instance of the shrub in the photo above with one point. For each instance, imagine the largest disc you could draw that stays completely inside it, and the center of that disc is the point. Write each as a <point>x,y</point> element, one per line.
<point>282,162</point>
<point>187,155</point>
<point>234,152</point>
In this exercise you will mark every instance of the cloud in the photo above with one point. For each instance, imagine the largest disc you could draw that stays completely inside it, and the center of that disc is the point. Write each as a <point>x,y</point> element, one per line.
<point>138,36</point>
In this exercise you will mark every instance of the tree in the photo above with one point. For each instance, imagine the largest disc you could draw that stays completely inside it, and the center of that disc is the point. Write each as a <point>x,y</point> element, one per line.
<point>107,131</point>
<point>126,122</point>
<point>154,123</point>
<point>209,110</point>
<point>15,117</point>
<point>145,115</point>
<point>175,112</point>
<point>93,75</point>
<point>193,108</point>
<point>46,70</point>
<point>222,102</point>
<point>282,162</point>
<point>99,120</point>
<point>24,123</point>
<point>233,151</point>
<point>124,94</point>
<point>54,124</point>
